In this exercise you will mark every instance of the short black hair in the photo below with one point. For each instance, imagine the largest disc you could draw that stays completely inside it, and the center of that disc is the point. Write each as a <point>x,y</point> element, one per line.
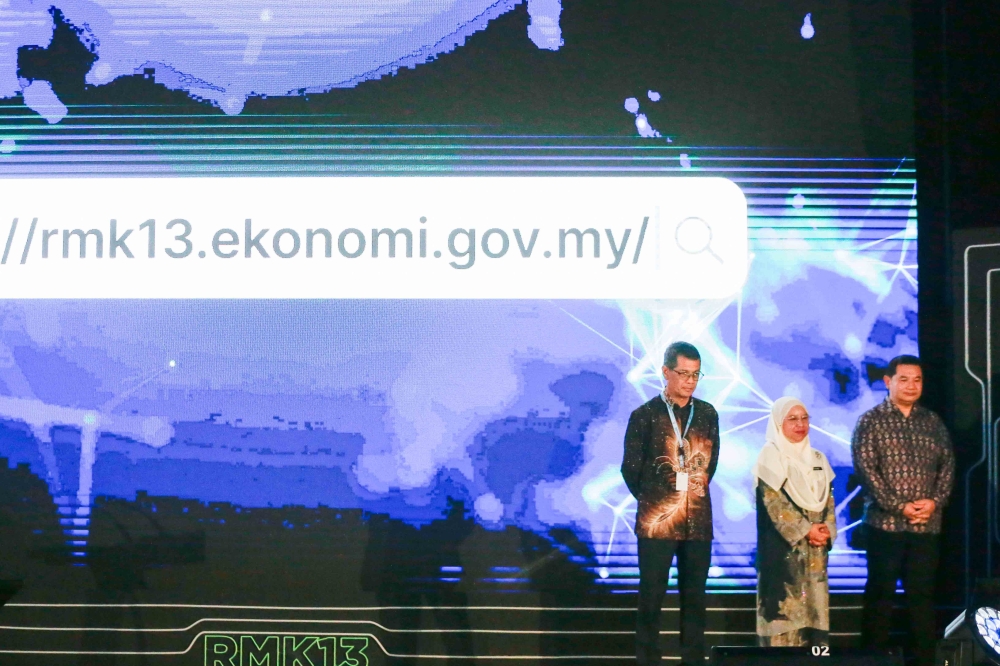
<point>680,348</point>
<point>905,359</point>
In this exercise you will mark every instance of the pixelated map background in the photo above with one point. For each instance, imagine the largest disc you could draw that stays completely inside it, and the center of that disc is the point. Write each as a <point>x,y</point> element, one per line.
<point>502,417</point>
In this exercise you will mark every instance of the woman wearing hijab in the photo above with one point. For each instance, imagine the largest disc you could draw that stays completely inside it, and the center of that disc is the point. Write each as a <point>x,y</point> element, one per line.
<point>796,527</point>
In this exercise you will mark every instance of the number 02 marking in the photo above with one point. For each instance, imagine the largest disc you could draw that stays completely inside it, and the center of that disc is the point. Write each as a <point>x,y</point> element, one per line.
<point>821,650</point>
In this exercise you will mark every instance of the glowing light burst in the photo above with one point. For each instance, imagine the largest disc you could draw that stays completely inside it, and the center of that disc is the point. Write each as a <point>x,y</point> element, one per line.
<point>869,261</point>
<point>879,264</point>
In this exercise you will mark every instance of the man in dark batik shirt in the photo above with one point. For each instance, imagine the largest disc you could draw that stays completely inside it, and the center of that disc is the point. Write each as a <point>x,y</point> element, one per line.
<point>669,474</point>
<point>903,454</point>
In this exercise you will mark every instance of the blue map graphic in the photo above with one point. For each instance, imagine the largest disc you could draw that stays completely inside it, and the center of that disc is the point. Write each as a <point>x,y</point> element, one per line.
<point>226,52</point>
<point>515,408</point>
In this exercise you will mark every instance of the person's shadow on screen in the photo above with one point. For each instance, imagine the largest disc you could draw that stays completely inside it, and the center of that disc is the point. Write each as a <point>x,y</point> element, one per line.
<point>126,541</point>
<point>412,570</point>
<point>559,565</point>
<point>30,534</point>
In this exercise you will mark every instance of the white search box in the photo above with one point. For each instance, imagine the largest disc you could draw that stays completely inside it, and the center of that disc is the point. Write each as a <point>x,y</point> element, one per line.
<point>372,237</point>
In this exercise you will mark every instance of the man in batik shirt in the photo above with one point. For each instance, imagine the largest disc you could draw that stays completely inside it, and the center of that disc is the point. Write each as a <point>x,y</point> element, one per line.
<point>903,454</point>
<point>671,452</point>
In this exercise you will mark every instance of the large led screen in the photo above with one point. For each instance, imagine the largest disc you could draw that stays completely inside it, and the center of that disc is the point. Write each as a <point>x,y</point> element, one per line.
<point>323,321</point>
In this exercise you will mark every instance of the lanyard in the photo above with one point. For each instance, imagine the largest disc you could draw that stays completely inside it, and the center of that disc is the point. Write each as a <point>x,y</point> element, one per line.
<point>677,427</point>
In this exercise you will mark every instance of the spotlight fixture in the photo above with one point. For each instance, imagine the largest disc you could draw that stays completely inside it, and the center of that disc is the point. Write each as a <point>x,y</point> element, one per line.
<point>987,621</point>
<point>973,638</point>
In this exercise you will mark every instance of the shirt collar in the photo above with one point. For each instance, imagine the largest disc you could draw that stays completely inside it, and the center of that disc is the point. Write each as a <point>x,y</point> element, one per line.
<point>668,401</point>
<point>891,407</point>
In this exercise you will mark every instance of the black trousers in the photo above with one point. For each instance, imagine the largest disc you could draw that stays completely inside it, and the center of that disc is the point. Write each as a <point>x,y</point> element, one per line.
<point>655,558</point>
<point>913,558</point>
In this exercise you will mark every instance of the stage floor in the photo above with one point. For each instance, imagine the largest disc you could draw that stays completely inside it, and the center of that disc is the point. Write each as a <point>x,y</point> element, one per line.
<point>512,629</point>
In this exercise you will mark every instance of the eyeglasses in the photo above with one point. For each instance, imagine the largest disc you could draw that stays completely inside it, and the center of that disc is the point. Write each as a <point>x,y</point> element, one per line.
<point>795,420</point>
<point>685,376</point>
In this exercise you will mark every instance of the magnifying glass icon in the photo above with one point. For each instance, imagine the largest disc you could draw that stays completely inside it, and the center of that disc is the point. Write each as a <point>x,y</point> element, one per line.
<point>694,236</point>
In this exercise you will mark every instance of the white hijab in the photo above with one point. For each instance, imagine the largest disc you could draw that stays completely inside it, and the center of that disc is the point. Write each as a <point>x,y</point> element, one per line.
<point>804,472</point>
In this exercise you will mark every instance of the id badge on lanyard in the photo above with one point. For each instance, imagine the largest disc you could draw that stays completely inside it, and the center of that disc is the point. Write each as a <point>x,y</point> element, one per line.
<point>682,444</point>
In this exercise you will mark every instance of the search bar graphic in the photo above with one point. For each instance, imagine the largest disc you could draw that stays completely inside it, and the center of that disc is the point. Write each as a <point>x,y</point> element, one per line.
<point>373,237</point>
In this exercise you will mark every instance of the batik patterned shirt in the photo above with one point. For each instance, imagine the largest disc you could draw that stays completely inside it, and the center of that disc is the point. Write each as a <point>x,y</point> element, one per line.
<point>901,459</point>
<point>651,463</point>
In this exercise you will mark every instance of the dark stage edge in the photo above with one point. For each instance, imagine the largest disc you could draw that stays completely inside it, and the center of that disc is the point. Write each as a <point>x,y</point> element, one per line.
<point>497,628</point>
